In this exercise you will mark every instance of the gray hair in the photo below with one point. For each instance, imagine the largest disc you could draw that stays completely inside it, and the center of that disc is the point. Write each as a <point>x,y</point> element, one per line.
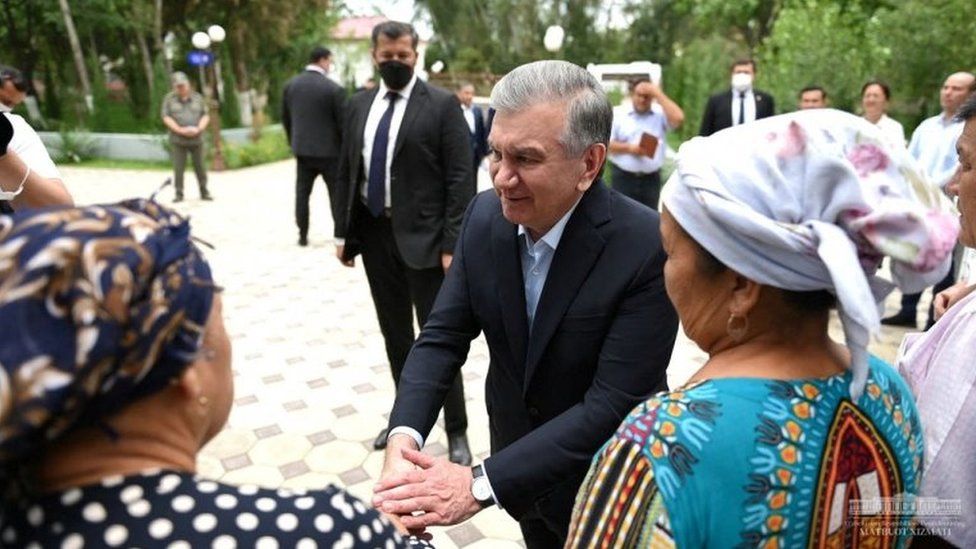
<point>589,114</point>
<point>968,109</point>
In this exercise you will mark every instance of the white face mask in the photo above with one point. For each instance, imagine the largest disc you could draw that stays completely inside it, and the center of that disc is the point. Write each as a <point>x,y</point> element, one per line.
<point>741,81</point>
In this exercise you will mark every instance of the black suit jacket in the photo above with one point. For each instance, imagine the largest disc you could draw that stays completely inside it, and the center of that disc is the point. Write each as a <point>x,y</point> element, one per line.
<point>430,175</point>
<point>718,111</point>
<point>479,139</point>
<point>602,338</point>
<point>311,112</point>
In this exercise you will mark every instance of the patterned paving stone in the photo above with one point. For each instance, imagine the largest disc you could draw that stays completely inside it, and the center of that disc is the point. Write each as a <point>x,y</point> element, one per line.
<point>354,476</point>
<point>343,411</point>
<point>236,462</point>
<point>268,431</point>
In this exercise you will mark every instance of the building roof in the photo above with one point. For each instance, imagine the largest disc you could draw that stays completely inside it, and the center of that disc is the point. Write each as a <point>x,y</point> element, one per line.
<point>357,28</point>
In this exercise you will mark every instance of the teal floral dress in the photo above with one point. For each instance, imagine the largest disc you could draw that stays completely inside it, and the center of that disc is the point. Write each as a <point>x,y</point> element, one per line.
<point>752,462</point>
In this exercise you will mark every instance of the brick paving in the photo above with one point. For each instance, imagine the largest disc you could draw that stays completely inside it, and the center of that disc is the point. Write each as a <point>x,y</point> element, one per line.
<point>312,387</point>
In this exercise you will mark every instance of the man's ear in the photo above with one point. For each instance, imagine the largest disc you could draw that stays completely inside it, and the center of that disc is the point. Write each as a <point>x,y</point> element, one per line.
<point>593,159</point>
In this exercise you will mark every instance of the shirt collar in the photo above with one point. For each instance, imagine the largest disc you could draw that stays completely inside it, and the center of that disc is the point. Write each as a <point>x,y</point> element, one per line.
<point>315,68</point>
<point>5,108</point>
<point>553,235</point>
<point>404,93</point>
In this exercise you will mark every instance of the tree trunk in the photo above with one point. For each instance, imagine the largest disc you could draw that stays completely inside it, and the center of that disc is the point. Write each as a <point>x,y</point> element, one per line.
<point>147,64</point>
<point>69,25</point>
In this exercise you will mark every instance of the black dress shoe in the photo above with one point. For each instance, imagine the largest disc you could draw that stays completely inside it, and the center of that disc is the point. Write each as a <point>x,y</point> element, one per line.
<point>179,198</point>
<point>206,196</point>
<point>900,319</point>
<point>302,241</point>
<point>380,442</point>
<point>457,449</point>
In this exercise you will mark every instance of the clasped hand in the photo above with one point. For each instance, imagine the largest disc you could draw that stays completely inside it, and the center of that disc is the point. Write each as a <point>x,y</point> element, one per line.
<point>418,491</point>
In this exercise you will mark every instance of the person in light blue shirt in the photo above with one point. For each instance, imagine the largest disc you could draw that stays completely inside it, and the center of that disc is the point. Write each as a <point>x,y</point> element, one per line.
<point>933,145</point>
<point>636,171</point>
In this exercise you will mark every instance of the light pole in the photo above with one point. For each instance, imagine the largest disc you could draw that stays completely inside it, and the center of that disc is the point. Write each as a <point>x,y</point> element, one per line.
<point>204,40</point>
<point>553,39</point>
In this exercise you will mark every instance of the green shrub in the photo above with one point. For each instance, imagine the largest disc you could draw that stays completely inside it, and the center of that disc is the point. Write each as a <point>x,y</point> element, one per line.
<point>76,146</point>
<point>270,147</point>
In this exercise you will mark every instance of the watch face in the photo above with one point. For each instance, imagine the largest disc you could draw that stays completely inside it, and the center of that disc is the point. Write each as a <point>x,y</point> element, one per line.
<point>480,489</point>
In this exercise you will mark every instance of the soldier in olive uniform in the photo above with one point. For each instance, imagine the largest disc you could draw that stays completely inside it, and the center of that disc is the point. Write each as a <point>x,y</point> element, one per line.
<point>185,115</point>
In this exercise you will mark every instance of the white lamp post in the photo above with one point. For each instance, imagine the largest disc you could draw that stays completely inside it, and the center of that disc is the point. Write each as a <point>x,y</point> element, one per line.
<point>204,40</point>
<point>553,39</point>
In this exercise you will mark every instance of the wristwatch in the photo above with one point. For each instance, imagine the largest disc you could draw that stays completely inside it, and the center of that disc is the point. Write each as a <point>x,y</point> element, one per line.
<point>480,488</point>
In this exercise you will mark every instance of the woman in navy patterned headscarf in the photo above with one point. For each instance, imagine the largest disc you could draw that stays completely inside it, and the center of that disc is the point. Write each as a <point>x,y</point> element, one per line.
<point>114,372</point>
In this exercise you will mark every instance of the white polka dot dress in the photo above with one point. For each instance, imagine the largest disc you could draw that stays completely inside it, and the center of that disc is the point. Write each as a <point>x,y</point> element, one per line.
<point>176,510</point>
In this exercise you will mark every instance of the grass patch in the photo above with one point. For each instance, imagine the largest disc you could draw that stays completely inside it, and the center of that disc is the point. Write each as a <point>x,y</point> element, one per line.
<point>271,147</point>
<point>160,165</point>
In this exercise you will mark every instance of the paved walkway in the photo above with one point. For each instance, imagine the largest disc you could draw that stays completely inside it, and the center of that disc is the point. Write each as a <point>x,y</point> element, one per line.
<point>311,380</point>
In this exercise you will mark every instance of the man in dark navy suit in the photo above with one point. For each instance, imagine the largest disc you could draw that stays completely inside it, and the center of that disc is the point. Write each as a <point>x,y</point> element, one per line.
<point>404,182</point>
<point>740,104</point>
<point>565,279</point>
<point>311,113</point>
<point>476,125</point>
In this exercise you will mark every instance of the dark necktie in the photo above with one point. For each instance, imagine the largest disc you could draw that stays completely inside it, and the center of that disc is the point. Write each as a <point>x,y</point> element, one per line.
<point>376,186</point>
<point>742,107</point>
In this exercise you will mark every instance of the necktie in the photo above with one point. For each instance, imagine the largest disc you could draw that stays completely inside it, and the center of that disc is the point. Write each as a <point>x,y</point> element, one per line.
<point>742,107</point>
<point>376,186</point>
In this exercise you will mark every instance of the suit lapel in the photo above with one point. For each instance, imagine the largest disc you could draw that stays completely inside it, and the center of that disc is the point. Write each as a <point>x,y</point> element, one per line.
<point>359,126</point>
<point>418,99</point>
<point>511,288</point>
<point>578,250</point>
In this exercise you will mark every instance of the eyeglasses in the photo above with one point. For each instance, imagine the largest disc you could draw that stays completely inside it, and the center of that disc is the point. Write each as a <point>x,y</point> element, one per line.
<point>17,80</point>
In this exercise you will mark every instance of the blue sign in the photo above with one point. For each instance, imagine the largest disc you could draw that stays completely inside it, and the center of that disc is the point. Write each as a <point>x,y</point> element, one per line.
<point>199,58</point>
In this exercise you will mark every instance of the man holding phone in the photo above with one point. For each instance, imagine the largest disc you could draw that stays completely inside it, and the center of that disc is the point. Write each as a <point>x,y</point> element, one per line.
<point>637,141</point>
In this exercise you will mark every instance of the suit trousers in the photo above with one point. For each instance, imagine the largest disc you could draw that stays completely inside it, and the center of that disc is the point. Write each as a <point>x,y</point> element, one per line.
<point>642,187</point>
<point>397,289</point>
<point>909,302</point>
<point>308,168</point>
<point>179,166</point>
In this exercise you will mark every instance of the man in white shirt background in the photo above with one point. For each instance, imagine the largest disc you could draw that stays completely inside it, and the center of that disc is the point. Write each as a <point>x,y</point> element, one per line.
<point>933,145</point>
<point>637,141</point>
<point>475,118</point>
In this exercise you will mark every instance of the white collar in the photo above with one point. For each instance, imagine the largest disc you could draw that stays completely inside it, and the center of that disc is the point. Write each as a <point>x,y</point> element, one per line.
<point>555,234</point>
<point>404,93</point>
<point>5,108</point>
<point>315,68</point>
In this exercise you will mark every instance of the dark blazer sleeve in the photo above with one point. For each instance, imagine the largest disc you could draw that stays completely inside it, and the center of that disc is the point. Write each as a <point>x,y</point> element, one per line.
<point>339,114</point>
<point>440,350</point>
<point>346,186</point>
<point>708,119</point>
<point>286,112</point>
<point>480,135</point>
<point>545,457</point>
<point>767,107</point>
<point>456,165</point>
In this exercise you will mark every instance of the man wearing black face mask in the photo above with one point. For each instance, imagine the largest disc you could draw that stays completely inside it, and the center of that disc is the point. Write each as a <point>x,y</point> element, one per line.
<point>403,185</point>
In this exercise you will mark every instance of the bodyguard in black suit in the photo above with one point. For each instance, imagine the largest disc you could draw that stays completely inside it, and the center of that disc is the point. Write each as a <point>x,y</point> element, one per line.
<point>311,113</point>
<point>476,126</point>
<point>404,183</point>
<point>565,279</point>
<point>738,105</point>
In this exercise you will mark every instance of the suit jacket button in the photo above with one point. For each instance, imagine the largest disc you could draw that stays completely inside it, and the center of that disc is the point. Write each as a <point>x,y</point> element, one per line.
<point>534,412</point>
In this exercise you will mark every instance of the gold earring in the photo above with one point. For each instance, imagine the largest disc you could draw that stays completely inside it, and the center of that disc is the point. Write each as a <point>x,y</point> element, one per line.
<point>737,327</point>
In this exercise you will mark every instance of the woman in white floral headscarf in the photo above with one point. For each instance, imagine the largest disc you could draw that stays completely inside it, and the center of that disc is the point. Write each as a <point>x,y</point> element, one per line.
<point>784,438</point>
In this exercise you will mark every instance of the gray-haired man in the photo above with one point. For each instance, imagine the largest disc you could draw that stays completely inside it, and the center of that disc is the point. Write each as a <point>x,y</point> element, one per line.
<point>184,112</point>
<point>564,277</point>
